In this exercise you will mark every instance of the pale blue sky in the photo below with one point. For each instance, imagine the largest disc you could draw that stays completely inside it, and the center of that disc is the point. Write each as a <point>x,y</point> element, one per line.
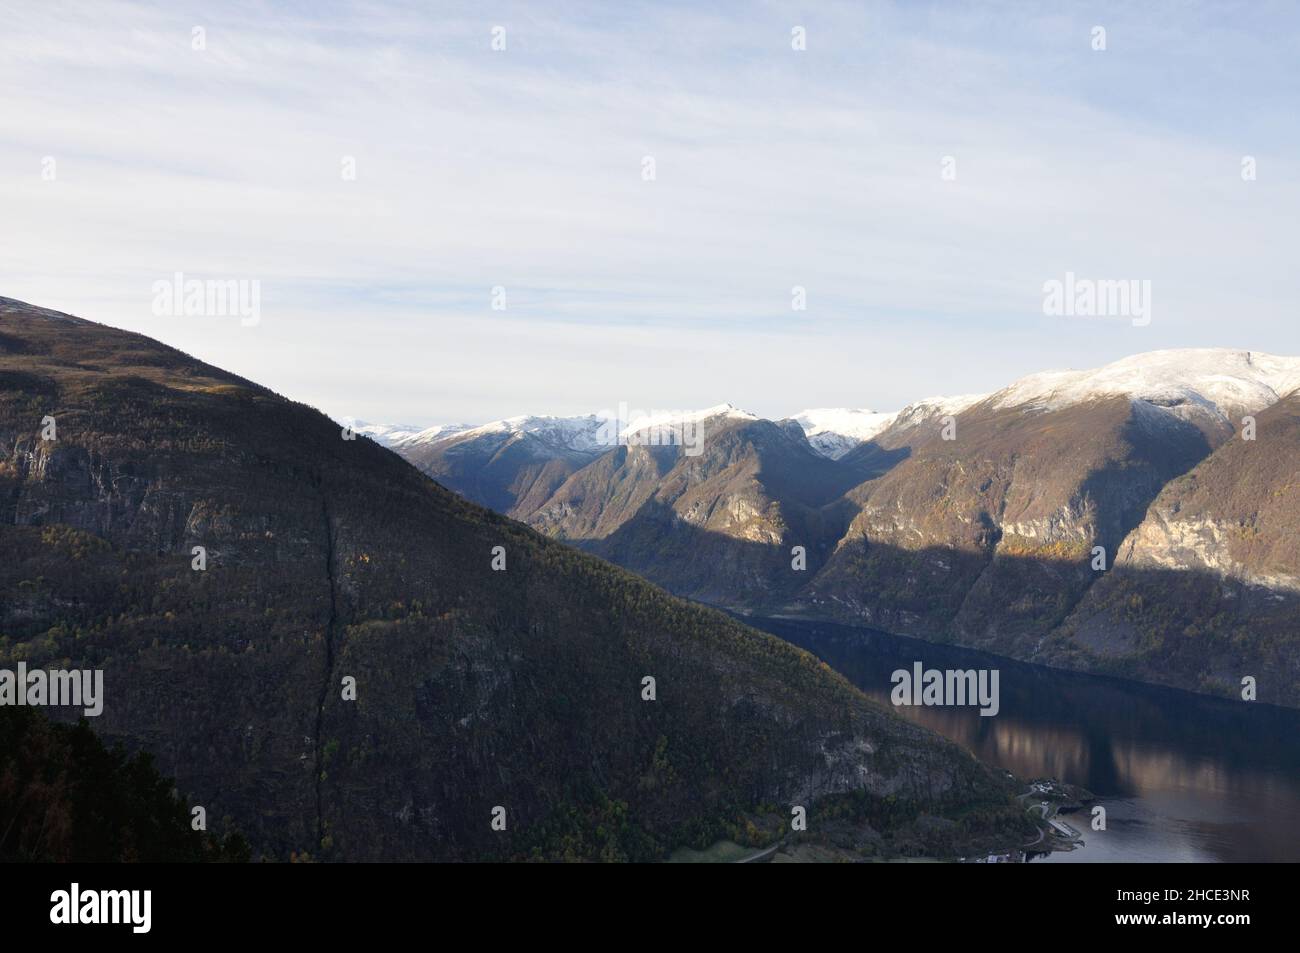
<point>522,168</point>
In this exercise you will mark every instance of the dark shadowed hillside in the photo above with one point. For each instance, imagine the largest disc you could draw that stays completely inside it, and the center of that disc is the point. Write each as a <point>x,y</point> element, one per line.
<point>64,797</point>
<point>330,559</point>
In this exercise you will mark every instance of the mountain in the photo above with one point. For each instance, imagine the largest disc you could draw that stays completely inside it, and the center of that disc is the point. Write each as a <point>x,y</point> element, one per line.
<point>1206,589</point>
<point>894,440</point>
<point>990,534</point>
<point>710,525</point>
<point>405,435</point>
<point>509,465</point>
<point>834,431</point>
<point>831,431</point>
<point>718,525</point>
<point>979,519</point>
<point>515,465</point>
<point>1209,386</point>
<point>332,566</point>
<point>992,538</point>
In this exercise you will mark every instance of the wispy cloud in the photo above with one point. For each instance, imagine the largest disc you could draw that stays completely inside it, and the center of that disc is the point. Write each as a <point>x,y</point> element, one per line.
<point>774,168</point>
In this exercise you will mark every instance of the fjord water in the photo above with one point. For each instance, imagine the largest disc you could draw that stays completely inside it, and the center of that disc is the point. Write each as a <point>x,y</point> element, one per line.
<point>1183,777</point>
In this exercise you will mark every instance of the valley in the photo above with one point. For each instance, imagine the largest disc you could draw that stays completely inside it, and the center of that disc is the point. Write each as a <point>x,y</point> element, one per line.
<point>1136,519</point>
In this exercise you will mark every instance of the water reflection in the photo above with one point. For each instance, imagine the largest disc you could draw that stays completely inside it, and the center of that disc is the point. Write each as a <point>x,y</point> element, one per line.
<point>1183,777</point>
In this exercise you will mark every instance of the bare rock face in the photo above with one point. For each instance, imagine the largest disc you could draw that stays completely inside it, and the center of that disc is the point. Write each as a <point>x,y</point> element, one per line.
<point>1235,515</point>
<point>1164,541</point>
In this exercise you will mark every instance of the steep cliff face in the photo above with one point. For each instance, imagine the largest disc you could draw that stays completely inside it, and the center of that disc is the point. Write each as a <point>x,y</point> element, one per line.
<point>1206,589</point>
<point>330,559</point>
<point>1238,513</point>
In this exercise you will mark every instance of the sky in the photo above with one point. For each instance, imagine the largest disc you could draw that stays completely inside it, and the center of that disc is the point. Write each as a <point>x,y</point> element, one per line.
<point>443,231</point>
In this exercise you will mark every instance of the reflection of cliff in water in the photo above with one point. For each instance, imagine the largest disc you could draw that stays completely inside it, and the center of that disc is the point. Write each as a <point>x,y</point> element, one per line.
<point>1226,774</point>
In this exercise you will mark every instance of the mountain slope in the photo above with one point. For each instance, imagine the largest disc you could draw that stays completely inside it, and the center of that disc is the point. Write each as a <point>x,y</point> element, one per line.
<point>65,798</point>
<point>719,525</point>
<point>989,536</point>
<point>329,559</point>
<point>992,538</point>
<point>1206,589</point>
<point>508,464</point>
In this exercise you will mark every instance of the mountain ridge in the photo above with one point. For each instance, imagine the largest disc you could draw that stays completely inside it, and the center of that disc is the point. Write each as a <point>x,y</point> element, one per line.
<point>975,519</point>
<point>1241,380</point>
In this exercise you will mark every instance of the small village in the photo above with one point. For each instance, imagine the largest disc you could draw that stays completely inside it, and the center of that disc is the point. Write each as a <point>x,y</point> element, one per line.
<point>1045,801</point>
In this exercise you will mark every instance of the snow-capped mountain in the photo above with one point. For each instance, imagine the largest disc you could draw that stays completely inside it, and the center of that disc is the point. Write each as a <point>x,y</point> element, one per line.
<point>567,433</point>
<point>921,411</point>
<point>505,463</point>
<point>514,464</point>
<point>987,534</point>
<point>430,434</point>
<point>1220,383</point>
<point>834,431</point>
<point>397,436</point>
<point>589,433</point>
<point>665,424</point>
<point>585,434</point>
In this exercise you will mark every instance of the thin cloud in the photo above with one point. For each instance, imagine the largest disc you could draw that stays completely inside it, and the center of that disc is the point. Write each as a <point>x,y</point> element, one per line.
<point>775,168</point>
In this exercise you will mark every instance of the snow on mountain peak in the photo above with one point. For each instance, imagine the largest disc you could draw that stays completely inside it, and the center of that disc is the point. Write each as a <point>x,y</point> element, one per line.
<point>400,435</point>
<point>667,419</point>
<point>1218,381</point>
<point>583,434</point>
<point>922,410</point>
<point>588,433</point>
<point>430,434</point>
<point>834,431</point>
